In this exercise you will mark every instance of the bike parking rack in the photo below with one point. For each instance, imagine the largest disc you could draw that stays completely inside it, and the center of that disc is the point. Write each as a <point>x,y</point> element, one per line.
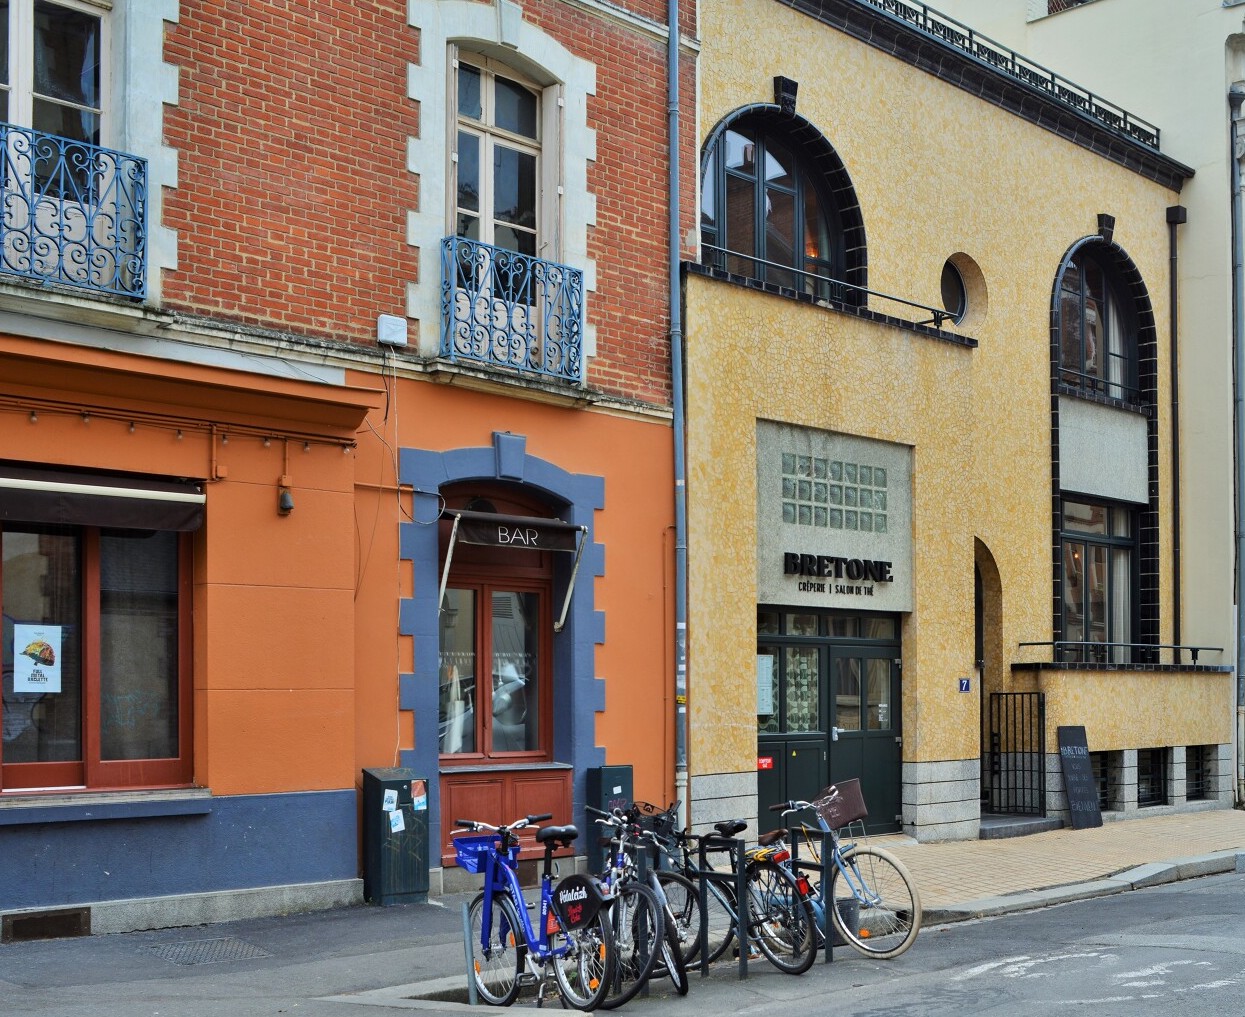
<point>737,878</point>
<point>825,866</point>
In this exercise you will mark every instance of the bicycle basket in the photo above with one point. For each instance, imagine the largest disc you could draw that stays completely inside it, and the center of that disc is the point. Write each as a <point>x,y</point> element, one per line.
<point>847,806</point>
<point>471,851</point>
<point>660,821</point>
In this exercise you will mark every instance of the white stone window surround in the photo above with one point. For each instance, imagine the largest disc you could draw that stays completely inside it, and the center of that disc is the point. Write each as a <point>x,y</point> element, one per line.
<point>497,30</point>
<point>142,85</point>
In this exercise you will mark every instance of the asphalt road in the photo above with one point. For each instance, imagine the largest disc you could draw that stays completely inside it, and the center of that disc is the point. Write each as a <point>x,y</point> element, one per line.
<point>1171,950</point>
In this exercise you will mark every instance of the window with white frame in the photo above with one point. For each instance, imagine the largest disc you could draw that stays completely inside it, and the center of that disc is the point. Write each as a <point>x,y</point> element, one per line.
<point>498,164</point>
<point>512,305</point>
<point>52,68</point>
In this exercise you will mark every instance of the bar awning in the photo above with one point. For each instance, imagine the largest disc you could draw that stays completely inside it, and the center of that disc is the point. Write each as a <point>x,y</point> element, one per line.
<point>111,500</point>
<point>530,533</point>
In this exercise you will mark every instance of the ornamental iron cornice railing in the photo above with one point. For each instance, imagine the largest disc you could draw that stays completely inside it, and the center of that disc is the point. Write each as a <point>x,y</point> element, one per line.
<point>503,309</point>
<point>959,36</point>
<point>72,213</point>
<point>821,289</point>
<point>1080,651</point>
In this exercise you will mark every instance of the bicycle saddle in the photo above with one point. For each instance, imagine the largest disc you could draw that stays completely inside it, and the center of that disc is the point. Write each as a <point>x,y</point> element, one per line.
<point>561,835</point>
<point>730,827</point>
<point>766,839</point>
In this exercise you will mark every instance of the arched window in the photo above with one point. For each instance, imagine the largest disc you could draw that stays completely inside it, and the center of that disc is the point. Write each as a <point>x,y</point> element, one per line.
<point>768,210</point>
<point>1097,328</point>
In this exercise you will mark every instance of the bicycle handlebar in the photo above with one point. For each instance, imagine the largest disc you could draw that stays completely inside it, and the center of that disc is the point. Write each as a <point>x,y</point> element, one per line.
<point>790,806</point>
<point>518,824</point>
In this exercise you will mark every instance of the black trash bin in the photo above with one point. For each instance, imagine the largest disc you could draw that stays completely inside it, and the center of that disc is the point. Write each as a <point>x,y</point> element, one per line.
<point>608,787</point>
<point>395,837</point>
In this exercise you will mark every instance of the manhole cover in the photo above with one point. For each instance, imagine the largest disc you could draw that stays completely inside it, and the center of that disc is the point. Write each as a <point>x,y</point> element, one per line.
<point>208,951</point>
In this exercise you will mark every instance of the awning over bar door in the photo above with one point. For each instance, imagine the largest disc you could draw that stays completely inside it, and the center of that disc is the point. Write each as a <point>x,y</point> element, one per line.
<point>532,533</point>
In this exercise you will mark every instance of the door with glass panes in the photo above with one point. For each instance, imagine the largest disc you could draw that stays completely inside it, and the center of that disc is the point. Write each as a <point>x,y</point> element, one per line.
<point>828,709</point>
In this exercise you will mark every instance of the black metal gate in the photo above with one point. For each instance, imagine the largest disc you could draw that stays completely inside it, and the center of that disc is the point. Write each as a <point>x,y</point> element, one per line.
<point>1013,771</point>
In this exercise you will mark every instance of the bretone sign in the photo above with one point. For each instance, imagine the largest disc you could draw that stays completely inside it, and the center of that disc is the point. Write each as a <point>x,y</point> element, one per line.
<point>834,520</point>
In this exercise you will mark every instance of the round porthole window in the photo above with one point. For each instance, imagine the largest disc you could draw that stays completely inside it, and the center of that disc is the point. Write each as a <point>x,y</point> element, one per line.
<point>954,293</point>
<point>963,290</point>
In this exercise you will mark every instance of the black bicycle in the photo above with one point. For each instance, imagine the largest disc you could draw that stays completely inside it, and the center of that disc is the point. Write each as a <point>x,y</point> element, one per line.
<point>646,931</point>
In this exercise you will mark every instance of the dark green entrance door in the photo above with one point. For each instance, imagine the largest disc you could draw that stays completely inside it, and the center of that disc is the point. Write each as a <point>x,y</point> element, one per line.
<point>864,729</point>
<point>828,693</point>
<point>792,743</point>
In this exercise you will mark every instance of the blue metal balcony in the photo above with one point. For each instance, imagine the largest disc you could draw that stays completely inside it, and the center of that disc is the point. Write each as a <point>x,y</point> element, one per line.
<point>502,309</point>
<point>72,213</point>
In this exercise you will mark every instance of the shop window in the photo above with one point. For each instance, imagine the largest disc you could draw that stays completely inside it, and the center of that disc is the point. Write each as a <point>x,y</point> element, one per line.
<point>496,711</point>
<point>1099,554</point>
<point>1097,332</point>
<point>768,211</point>
<point>96,687</point>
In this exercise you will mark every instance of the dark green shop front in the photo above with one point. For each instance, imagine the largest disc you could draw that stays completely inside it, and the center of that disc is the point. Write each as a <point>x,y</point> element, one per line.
<point>828,708</point>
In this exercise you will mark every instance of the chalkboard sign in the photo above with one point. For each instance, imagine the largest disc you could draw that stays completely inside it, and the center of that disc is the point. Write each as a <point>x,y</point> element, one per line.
<point>1078,778</point>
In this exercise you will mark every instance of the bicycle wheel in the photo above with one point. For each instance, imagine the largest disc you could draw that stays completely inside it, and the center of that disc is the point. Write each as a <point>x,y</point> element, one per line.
<point>889,904</point>
<point>683,911</point>
<point>584,962</point>
<point>497,962</point>
<point>637,925</point>
<point>780,919</point>
<point>671,963</point>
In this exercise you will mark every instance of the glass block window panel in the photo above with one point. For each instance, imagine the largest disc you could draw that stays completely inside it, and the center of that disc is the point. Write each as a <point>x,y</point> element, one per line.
<point>851,485</point>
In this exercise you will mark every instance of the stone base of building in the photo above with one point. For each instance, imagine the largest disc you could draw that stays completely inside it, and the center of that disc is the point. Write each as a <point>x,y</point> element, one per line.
<point>175,911</point>
<point>717,796</point>
<point>1152,782</point>
<point>942,800</point>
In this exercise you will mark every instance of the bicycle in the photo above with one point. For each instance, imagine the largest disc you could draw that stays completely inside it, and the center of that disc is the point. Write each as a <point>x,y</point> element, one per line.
<point>644,926</point>
<point>864,879</point>
<point>572,936</point>
<point>780,920</point>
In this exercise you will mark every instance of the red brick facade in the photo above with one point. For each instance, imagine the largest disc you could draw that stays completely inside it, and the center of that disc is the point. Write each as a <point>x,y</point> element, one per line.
<point>291,132</point>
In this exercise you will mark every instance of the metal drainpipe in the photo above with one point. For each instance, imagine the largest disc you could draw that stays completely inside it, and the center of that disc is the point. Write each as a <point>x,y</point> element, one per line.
<point>677,409</point>
<point>1176,214</point>
<point>1236,96</point>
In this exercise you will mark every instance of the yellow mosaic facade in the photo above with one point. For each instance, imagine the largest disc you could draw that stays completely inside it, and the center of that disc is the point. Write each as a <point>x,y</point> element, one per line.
<point>939,174</point>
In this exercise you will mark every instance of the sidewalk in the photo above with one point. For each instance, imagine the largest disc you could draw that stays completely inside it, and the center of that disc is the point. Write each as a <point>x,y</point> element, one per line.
<point>410,957</point>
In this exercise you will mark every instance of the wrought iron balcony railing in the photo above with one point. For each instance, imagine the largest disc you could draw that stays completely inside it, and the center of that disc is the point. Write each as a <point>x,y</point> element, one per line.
<point>503,309</point>
<point>72,213</point>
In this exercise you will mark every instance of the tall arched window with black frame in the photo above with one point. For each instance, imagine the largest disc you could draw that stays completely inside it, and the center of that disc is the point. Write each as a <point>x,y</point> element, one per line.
<point>766,215</point>
<point>1097,334</point>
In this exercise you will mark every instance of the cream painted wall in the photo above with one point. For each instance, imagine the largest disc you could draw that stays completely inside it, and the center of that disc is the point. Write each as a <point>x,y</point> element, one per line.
<point>937,172</point>
<point>1172,64</point>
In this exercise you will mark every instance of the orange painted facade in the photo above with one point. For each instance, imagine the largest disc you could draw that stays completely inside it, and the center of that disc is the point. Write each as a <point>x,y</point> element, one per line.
<point>296,194</point>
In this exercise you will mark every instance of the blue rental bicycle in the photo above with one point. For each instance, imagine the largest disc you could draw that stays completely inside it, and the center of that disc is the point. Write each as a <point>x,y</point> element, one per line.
<point>572,936</point>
